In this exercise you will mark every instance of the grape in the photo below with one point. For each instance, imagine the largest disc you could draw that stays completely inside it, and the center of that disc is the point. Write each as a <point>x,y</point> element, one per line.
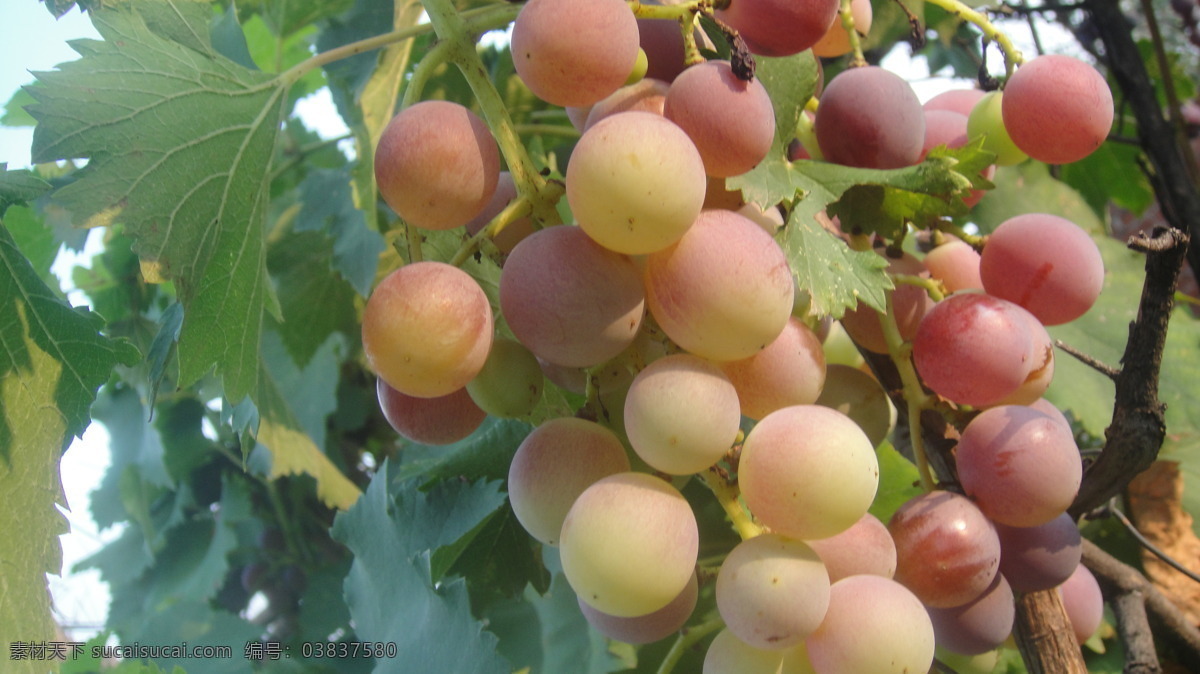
<point>568,300</point>
<point>978,626</point>
<point>865,548</point>
<point>650,627</point>
<point>574,53</point>
<point>513,232</point>
<point>1041,368</point>
<point>629,544</point>
<point>779,27</point>
<point>1083,602</point>
<point>772,591</point>
<point>947,551</point>
<point>808,471</point>
<point>835,41</point>
<point>910,303</point>
<point>943,127</point>
<point>961,101</point>
<point>1020,465</point>
<point>1057,109</point>
<point>986,121</point>
<point>730,120</point>
<point>662,41</point>
<point>510,383</point>
<point>724,291</point>
<point>552,467</point>
<point>956,265</point>
<point>859,396</point>
<point>648,95</point>
<point>1041,557</point>
<point>427,329</point>
<point>973,349</point>
<point>870,118</point>
<point>1044,263</point>
<point>681,414</point>
<point>728,654</point>
<point>430,421</point>
<point>789,371</point>
<point>437,164</point>
<point>873,625</point>
<point>573,379</point>
<point>635,182</point>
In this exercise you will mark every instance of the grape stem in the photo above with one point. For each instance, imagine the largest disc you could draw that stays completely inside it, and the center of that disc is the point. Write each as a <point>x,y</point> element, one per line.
<point>857,60</point>
<point>915,397</point>
<point>934,287</point>
<point>516,208</point>
<point>687,638</point>
<point>728,496</point>
<point>1012,55</point>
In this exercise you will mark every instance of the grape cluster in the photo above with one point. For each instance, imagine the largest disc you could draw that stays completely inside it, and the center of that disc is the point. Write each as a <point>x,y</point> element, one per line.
<point>674,313</point>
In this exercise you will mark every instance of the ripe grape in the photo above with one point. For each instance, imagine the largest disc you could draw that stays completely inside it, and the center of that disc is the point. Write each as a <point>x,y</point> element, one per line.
<point>1020,465</point>
<point>635,182</point>
<point>513,232</point>
<point>947,551</point>
<point>973,349</point>
<point>835,41</point>
<point>1044,263</point>
<point>910,303</point>
<point>436,164</point>
<point>510,383</point>
<point>956,265</point>
<point>865,548</point>
<point>648,95</point>
<point>1041,557</point>
<point>568,300</point>
<point>681,414</point>
<point>727,654</point>
<point>780,27</point>
<point>1057,109</point>
<point>1041,365</point>
<point>986,121</point>
<point>1083,602</point>
<point>730,120</point>
<point>430,421</point>
<point>861,397</point>
<point>772,591</point>
<point>574,53</point>
<point>789,371</point>
<point>662,41</point>
<point>427,329</point>
<point>629,544</point>
<point>961,101</point>
<point>650,627</point>
<point>874,625</point>
<point>978,626</point>
<point>808,471</point>
<point>870,118</point>
<point>943,127</point>
<point>724,291</point>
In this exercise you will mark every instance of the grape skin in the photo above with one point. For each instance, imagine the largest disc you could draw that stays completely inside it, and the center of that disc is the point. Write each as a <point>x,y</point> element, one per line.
<point>873,625</point>
<point>574,53</point>
<point>427,329</point>
<point>1057,109</point>
<point>648,628</point>
<point>978,626</point>
<point>870,118</point>
<point>437,164</point>
<point>986,121</point>
<point>510,383</point>
<point>730,120</point>
<point>727,654</point>
<point>1083,602</point>
<point>861,397</point>
<point>865,548</point>
<point>956,265</point>
<point>780,27</point>
<point>835,42</point>
<point>1041,557</point>
<point>429,421</point>
<point>789,371</point>
<point>648,95</point>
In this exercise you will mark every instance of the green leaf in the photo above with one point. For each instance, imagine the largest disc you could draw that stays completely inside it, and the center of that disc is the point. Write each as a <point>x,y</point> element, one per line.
<point>485,454</point>
<point>502,558</point>
<point>18,187</point>
<point>316,303</point>
<point>899,481</point>
<point>835,277</point>
<point>135,445</point>
<point>1029,188</point>
<point>1112,175</point>
<point>14,111</point>
<point>389,589</point>
<point>329,208</point>
<point>179,141</point>
<point>569,644</point>
<point>790,81</point>
<point>35,240</point>
<point>198,625</point>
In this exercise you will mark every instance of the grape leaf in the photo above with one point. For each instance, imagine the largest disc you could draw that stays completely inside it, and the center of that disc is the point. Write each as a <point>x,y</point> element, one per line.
<point>179,141</point>
<point>1029,188</point>
<point>835,277</point>
<point>390,591</point>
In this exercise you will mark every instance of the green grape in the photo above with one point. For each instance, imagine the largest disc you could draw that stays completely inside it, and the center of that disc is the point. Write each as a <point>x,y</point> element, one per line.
<point>510,383</point>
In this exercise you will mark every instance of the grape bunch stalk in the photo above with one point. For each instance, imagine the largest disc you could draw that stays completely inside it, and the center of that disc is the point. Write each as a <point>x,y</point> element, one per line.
<point>643,285</point>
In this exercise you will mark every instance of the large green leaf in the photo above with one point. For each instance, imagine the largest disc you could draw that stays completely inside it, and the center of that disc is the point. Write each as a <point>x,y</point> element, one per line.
<point>179,141</point>
<point>390,589</point>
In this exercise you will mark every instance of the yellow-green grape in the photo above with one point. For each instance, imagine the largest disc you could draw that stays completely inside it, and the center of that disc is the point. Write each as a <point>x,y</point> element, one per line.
<point>510,383</point>
<point>986,120</point>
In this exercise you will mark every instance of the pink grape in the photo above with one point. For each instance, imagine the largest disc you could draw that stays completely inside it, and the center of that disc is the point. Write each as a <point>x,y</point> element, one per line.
<point>865,548</point>
<point>961,101</point>
<point>978,626</point>
<point>955,264</point>
<point>629,544</point>
<point>1020,465</point>
<point>730,120</point>
<point>835,41</point>
<point>874,625</point>
<point>943,127</point>
<point>724,291</point>
<point>553,465</point>
<point>1083,602</point>
<point>427,329</point>
<point>1041,366</point>
<point>513,232</point>
<point>789,371</point>
<point>947,551</point>
<point>808,471</point>
<point>910,303</point>
<point>1044,263</point>
<point>662,41</point>
<point>780,27</point>
<point>648,95</point>
<point>430,421</point>
<point>574,53</point>
<point>870,118</point>
<point>568,300</point>
<point>437,164</point>
<point>650,627</point>
<point>1057,109</point>
<point>1040,557</point>
<point>973,349</point>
